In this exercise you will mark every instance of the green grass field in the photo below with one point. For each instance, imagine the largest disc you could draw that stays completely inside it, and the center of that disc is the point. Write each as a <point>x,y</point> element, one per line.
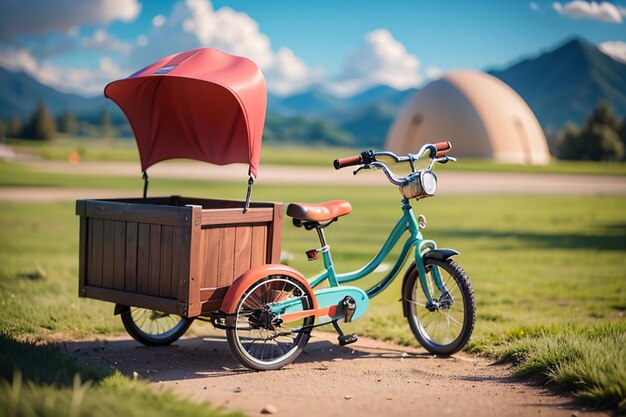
<point>549,272</point>
<point>126,150</point>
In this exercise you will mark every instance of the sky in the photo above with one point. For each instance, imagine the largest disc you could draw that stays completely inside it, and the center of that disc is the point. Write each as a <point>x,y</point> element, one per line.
<point>342,47</point>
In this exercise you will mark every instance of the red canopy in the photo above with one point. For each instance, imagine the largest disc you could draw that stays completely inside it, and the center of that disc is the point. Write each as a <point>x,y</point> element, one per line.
<point>201,104</point>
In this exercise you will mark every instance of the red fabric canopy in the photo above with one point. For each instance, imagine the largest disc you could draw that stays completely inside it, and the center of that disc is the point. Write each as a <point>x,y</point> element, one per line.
<point>201,104</point>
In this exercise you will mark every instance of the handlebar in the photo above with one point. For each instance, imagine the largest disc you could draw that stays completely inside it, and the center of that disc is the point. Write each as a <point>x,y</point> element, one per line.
<point>437,152</point>
<point>347,162</point>
<point>442,148</point>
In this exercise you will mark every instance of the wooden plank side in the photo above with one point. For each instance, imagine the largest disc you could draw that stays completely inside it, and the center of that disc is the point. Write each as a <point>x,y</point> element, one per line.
<point>119,255</point>
<point>83,251</point>
<point>107,253</point>
<point>143,258</point>
<point>165,285</point>
<point>226,256</point>
<point>204,256</point>
<point>210,275</point>
<point>208,203</point>
<point>259,245</point>
<point>95,277</point>
<point>138,300</point>
<point>195,305</point>
<point>236,216</point>
<point>275,235</point>
<point>243,250</point>
<point>154,274</point>
<point>182,247</point>
<point>178,260</point>
<point>130,264</point>
<point>141,213</point>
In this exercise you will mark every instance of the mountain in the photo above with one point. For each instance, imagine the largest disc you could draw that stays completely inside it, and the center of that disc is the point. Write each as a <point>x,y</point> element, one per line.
<point>561,84</point>
<point>381,94</point>
<point>313,102</point>
<point>566,83</point>
<point>362,119</point>
<point>369,125</point>
<point>20,93</point>
<point>317,102</point>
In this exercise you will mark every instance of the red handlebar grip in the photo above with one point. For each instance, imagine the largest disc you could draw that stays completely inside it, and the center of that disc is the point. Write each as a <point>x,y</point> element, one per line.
<point>442,148</point>
<point>346,162</point>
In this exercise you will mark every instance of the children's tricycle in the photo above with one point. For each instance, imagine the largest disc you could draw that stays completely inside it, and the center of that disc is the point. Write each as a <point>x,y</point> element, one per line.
<point>166,261</point>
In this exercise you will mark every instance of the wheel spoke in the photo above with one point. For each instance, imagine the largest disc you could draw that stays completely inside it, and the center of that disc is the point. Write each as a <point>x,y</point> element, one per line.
<point>444,329</point>
<point>265,345</point>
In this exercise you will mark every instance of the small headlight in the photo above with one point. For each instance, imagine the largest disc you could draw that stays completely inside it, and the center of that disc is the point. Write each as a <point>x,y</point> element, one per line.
<point>419,185</point>
<point>429,182</point>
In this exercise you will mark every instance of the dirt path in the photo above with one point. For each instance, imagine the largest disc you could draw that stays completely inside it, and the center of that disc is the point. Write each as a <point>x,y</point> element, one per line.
<point>368,378</point>
<point>449,182</point>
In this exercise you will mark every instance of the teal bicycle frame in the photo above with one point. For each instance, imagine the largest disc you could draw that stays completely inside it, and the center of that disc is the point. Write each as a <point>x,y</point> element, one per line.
<point>407,222</point>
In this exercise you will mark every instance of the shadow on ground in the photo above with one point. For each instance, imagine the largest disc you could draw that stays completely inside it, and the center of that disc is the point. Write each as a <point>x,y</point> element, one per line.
<point>209,356</point>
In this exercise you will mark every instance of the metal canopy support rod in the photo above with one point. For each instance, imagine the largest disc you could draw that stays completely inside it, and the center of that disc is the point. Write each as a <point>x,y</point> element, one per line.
<point>145,184</point>
<point>248,194</point>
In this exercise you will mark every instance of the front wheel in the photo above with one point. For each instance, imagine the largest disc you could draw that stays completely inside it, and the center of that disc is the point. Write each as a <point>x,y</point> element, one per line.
<point>442,326</point>
<point>152,327</point>
<point>257,338</point>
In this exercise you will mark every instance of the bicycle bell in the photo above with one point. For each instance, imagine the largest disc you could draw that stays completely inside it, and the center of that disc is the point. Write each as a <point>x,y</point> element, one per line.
<point>419,185</point>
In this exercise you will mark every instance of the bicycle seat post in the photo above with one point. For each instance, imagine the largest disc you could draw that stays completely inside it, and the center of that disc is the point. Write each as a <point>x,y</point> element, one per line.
<point>320,234</point>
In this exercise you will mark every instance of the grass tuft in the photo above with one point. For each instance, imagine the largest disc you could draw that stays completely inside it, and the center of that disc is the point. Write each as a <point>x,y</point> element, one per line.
<point>590,362</point>
<point>38,380</point>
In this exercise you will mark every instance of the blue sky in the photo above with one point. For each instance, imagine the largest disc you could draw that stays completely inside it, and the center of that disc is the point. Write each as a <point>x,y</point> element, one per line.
<point>342,46</point>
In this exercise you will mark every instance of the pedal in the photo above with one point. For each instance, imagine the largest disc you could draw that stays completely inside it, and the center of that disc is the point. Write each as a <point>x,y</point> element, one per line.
<point>346,339</point>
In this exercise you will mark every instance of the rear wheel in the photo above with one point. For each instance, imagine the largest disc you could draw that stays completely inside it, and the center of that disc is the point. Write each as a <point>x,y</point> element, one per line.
<point>152,327</point>
<point>444,326</point>
<point>256,338</point>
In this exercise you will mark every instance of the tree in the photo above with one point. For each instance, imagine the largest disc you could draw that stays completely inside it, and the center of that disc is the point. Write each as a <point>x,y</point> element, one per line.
<point>41,126</point>
<point>602,143</point>
<point>105,122</point>
<point>68,123</point>
<point>570,143</point>
<point>603,114</point>
<point>15,127</point>
<point>3,131</point>
<point>599,139</point>
<point>622,132</point>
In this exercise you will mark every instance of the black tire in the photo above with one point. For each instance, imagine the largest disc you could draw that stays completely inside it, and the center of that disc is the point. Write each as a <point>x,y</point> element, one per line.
<point>447,329</point>
<point>253,343</point>
<point>152,327</point>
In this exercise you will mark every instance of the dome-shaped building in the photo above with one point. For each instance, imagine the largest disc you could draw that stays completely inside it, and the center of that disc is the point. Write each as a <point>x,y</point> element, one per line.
<point>482,117</point>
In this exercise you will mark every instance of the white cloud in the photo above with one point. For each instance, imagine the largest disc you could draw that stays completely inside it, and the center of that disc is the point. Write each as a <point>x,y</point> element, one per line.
<point>158,20</point>
<point>228,30</point>
<point>101,40</point>
<point>34,17</point>
<point>18,59</point>
<point>195,23</point>
<point>142,40</point>
<point>433,73</point>
<point>614,49</point>
<point>380,60</point>
<point>579,9</point>
<point>84,81</point>
<point>289,74</point>
<point>534,6</point>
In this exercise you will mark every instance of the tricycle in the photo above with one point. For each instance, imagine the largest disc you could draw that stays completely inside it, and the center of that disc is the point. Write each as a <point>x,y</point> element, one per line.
<point>166,261</point>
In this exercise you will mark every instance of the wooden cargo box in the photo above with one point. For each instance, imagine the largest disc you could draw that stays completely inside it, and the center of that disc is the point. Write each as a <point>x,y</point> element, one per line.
<point>173,254</point>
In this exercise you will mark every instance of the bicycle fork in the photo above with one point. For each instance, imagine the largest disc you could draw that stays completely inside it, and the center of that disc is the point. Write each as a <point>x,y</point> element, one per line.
<point>425,248</point>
